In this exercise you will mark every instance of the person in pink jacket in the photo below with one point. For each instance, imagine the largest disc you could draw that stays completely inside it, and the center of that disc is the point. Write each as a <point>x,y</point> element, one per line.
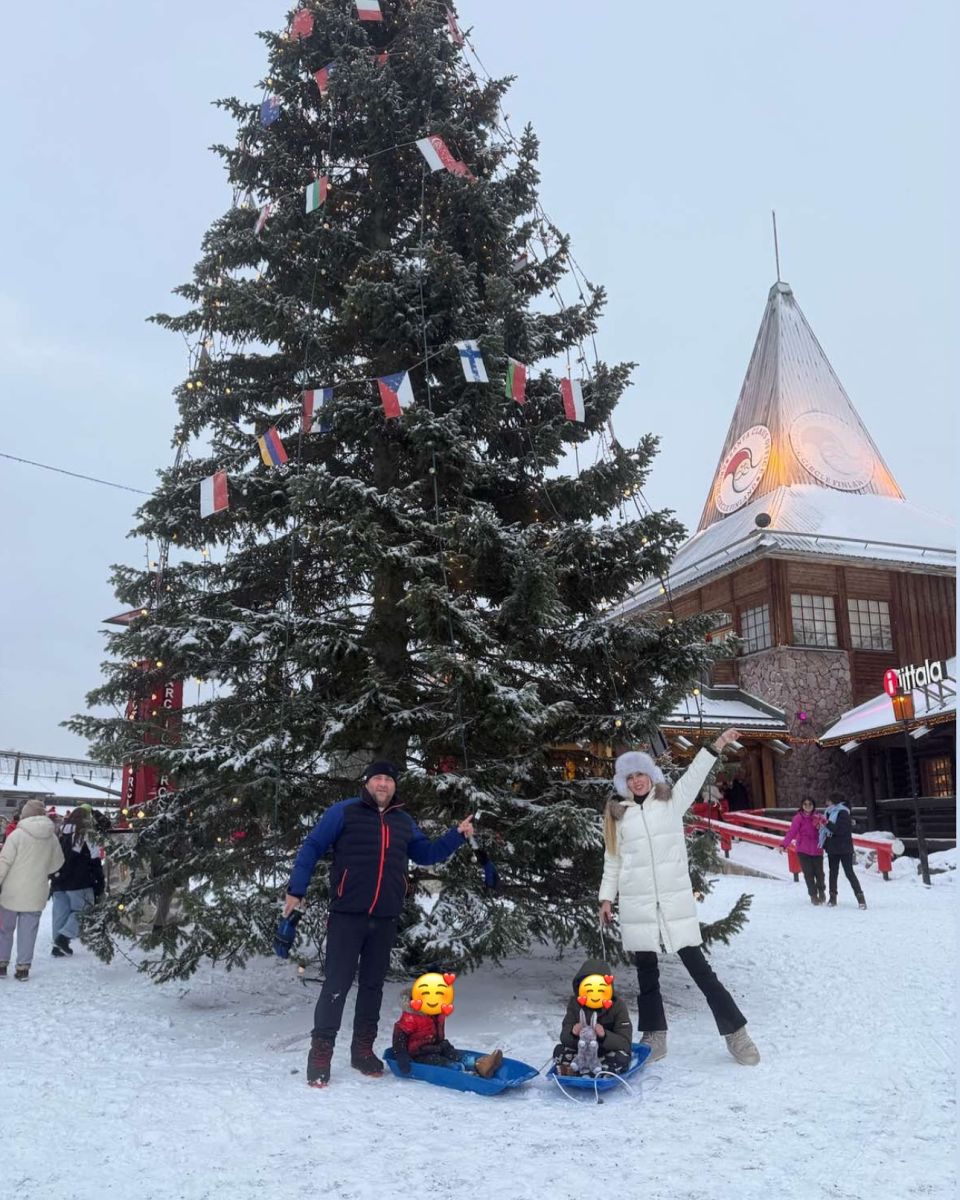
<point>803,832</point>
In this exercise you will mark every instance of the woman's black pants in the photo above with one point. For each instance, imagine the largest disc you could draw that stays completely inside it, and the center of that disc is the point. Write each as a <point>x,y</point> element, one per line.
<point>846,861</point>
<point>812,867</point>
<point>729,1018</point>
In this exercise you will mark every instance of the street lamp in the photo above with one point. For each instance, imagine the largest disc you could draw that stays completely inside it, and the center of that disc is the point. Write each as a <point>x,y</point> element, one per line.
<point>903,712</point>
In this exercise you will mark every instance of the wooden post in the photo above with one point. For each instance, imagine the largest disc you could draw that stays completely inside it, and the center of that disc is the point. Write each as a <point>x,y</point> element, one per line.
<point>769,782</point>
<point>756,777</point>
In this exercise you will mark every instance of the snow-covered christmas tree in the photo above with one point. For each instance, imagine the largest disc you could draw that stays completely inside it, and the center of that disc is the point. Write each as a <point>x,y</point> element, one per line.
<point>412,563</point>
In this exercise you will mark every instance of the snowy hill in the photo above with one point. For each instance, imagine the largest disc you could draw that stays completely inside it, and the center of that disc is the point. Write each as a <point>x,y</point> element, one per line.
<point>114,1087</point>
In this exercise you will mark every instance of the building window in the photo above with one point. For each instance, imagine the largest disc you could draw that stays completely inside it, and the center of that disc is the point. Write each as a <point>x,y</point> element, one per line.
<point>814,620</point>
<point>721,627</point>
<point>755,628</point>
<point>936,778</point>
<point>870,624</point>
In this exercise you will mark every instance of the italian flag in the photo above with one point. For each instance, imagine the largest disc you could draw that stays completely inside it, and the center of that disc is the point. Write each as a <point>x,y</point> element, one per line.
<point>516,388</point>
<point>571,391</point>
<point>317,193</point>
<point>214,495</point>
<point>369,10</point>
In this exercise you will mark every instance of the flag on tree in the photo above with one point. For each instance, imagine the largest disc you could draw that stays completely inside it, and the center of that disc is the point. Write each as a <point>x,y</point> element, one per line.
<point>396,393</point>
<point>369,10</point>
<point>269,111</point>
<point>214,494</point>
<point>323,77</point>
<point>572,392</point>
<point>454,27</point>
<point>516,388</point>
<point>271,448</point>
<point>434,149</point>
<point>317,193</point>
<point>472,362</point>
<point>316,417</point>
<point>262,217</point>
<point>302,24</point>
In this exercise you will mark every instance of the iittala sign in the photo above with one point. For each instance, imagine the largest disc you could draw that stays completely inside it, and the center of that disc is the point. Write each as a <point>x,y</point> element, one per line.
<point>905,679</point>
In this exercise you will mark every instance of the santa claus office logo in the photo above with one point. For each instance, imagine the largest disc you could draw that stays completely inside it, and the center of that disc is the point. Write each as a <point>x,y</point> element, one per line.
<point>742,469</point>
<point>832,451</point>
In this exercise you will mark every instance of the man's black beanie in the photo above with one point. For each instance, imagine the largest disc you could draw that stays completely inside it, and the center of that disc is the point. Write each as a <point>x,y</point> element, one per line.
<point>381,767</point>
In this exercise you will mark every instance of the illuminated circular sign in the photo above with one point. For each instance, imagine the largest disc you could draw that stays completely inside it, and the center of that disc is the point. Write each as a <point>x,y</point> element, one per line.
<point>891,682</point>
<point>742,469</point>
<point>832,451</point>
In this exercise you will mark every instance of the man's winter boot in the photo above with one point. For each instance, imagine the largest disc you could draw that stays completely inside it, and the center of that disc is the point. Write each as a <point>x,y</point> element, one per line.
<point>833,901</point>
<point>22,972</point>
<point>63,942</point>
<point>488,1064</point>
<point>318,1062</point>
<point>657,1041</point>
<point>740,1044</point>
<point>3,970</point>
<point>362,1057</point>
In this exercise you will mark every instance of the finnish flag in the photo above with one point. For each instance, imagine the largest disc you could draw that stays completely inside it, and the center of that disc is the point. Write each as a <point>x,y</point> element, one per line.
<point>472,362</point>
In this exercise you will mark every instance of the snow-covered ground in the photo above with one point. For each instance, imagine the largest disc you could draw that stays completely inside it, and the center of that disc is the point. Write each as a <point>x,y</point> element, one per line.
<point>113,1087</point>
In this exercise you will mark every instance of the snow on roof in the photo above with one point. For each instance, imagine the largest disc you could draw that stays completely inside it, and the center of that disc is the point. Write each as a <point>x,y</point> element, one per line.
<point>876,714</point>
<point>723,707</point>
<point>807,520</point>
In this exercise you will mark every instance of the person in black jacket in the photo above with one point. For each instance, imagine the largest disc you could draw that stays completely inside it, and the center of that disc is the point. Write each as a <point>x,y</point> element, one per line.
<point>611,1021</point>
<point>837,832</point>
<point>372,838</point>
<point>79,883</point>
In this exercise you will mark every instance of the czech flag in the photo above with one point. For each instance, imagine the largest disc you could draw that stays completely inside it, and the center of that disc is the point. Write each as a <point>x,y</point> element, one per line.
<point>323,77</point>
<point>572,392</point>
<point>269,110</point>
<point>369,10</point>
<point>214,496</point>
<point>516,388</point>
<point>396,393</point>
<point>302,24</point>
<point>316,418</point>
<point>434,150</point>
<point>271,448</point>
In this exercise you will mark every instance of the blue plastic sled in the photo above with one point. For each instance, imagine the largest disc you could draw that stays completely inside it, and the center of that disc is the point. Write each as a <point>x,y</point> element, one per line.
<point>600,1083</point>
<point>510,1074</point>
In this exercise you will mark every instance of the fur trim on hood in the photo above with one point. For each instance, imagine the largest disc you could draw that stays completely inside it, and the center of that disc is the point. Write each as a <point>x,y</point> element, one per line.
<point>631,763</point>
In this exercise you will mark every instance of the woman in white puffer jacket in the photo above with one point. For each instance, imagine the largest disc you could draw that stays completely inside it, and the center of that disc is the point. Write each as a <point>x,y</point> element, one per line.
<point>645,868</point>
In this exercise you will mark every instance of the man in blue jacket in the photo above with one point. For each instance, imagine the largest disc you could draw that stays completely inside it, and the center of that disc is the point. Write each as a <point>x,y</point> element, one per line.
<point>372,837</point>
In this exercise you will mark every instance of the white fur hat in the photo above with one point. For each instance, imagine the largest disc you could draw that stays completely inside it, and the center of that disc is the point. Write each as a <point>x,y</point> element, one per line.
<point>629,764</point>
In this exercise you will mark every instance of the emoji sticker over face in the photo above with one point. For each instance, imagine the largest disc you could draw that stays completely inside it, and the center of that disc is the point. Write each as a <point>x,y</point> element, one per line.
<point>596,991</point>
<point>432,995</point>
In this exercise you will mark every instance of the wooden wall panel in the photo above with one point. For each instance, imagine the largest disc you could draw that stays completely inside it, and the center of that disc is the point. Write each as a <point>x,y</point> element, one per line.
<point>866,672</point>
<point>812,578</point>
<point>923,612</point>
<point>687,606</point>
<point>717,594</point>
<point>724,671</point>
<point>751,579</point>
<point>863,584</point>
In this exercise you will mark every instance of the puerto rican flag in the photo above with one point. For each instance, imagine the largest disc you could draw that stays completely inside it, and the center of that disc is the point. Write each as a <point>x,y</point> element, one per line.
<point>316,418</point>
<point>396,393</point>
<point>214,494</point>
<point>571,391</point>
<point>369,10</point>
<point>434,150</point>
<point>271,448</point>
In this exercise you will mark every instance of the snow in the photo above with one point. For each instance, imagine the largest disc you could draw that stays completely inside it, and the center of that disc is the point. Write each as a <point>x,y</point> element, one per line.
<point>116,1087</point>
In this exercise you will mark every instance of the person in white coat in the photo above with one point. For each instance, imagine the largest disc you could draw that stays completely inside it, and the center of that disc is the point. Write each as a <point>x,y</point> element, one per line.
<point>645,869</point>
<point>29,857</point>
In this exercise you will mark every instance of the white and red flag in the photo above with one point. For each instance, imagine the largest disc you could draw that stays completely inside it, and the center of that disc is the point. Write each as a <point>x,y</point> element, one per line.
<point>214,494</point>
<point>369,10</point>
<point>434,149</point>
<point>572,392</point>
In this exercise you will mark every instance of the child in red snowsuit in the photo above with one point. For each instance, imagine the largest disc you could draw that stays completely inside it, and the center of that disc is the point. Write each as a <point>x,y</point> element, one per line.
<point>420,1036</point>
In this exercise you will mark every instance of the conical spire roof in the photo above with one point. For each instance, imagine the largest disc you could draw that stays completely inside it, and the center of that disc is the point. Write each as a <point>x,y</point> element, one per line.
<point>794,423</point>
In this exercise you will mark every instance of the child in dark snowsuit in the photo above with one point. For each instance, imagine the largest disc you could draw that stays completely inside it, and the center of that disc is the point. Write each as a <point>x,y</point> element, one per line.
<point>420,1036</point>
<point>594,1002</point>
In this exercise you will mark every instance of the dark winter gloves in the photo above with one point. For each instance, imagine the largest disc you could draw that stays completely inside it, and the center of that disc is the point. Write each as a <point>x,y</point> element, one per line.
<point>400,1052</point>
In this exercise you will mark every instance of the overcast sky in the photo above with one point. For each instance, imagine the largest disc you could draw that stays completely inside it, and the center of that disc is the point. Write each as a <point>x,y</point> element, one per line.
<point>668,133</point>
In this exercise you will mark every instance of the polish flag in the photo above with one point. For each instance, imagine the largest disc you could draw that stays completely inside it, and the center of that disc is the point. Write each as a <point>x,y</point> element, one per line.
<point>434,150</point>
<point>572,392</point>
<point>369,10</point>
<point>396,393</point>
<point>214,495</point>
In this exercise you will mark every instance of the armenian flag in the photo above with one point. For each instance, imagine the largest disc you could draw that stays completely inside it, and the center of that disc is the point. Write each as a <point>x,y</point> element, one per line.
<point>271,448</point>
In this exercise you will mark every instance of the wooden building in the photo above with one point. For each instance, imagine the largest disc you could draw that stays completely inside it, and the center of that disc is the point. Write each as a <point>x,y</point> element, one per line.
<point>809,553</point>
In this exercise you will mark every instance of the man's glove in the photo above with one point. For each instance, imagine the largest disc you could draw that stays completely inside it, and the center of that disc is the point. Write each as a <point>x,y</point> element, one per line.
<point>447,1049</point>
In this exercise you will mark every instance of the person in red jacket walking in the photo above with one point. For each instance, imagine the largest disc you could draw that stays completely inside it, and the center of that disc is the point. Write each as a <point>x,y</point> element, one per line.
<point>804,831</point>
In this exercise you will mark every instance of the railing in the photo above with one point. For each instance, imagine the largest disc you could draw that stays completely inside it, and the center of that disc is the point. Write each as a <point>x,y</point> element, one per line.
<point>726,833</point>
<point>884,850</point>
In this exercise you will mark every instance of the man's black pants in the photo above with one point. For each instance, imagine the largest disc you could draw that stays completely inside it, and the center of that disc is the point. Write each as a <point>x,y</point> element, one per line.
<point>846,861</point>
<point>729,1018</point>
<point>812,867</point>
<point>357,945</point>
